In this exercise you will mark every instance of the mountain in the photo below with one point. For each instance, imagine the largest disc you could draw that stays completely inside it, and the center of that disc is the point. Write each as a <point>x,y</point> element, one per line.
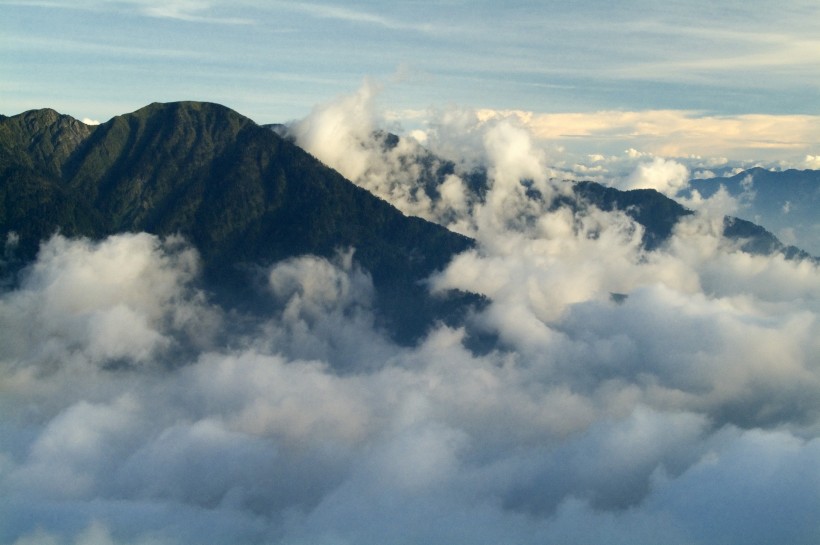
<point>414,174</point>
<point>241,194</point>
<point>655,211</point>
<point>784,202</point>
<point>246,197</point>
<point>659,214</point>
<point>34,200</point>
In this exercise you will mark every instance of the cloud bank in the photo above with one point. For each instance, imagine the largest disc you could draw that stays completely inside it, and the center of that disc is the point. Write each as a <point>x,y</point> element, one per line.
<point>676,133</point>
<point>631,396</point>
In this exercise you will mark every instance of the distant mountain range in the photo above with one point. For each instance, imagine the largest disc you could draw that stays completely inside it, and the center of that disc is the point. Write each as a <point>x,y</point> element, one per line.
<point>784,202</point>
<point>246,197</point>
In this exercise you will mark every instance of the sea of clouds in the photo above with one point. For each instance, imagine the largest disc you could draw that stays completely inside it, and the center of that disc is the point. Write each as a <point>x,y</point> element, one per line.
<point>631,396</point>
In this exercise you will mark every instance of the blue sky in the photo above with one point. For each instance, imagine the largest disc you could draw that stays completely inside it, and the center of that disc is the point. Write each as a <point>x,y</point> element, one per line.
<point>273,61</point>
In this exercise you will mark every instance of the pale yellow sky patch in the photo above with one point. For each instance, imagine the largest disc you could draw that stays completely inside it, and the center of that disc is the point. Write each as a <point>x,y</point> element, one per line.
<point>678,133</point>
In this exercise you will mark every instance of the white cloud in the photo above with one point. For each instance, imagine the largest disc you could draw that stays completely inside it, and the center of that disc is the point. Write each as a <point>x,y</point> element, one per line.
<point>192,11</point>
<point>102,302</point>
<point>665,176</point>
<point>347,14</point>
<point>343,134</point>
<point>591,415</point>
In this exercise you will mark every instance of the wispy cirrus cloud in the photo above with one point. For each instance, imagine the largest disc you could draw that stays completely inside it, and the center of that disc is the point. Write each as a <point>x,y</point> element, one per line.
<point>196,11</point>
<point>193,11</point>
<point>341,13</point>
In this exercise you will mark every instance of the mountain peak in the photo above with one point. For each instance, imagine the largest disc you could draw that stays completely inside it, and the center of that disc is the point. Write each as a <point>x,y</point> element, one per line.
<point>242,195</point>
<point>44,137</point>
<point>190,109</point>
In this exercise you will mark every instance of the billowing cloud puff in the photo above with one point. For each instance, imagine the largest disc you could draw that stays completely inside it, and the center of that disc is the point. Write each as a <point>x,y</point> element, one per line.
<point>665,176</point>
<point>343,134</point>
<point>103,302</point>
<point>812,161</point>
<point>336,132</point>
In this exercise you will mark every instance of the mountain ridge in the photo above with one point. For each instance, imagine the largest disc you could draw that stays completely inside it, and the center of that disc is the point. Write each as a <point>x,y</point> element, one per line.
<point>246,197</point>
<point>655,211</point>
<point>784,202</point>
<point>242,195</point>
<point>53,137</point>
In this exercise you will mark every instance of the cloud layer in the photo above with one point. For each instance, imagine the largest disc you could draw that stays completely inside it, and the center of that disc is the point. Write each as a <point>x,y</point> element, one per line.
<point>631,396</point>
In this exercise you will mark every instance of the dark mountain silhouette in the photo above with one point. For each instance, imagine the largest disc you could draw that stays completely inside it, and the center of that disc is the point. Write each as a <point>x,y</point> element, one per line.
<point>241,194</point>
<point>34,200</point>
<point>659,214</point>
<point>246,197</point>
<point>655,211</point>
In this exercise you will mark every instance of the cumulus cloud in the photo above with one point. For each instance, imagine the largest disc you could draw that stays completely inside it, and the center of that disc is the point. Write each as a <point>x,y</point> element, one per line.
<point>343,134</point>
<point>812,162</point>
<point>665,176</point>
<point>103,303</point>
<point>432,181</point>
<point>631,396</point>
